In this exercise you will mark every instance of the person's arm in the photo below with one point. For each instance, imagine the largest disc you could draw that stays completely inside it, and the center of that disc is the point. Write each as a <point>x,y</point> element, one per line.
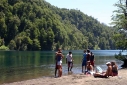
<point>70,55</point>
<point>66,58</point>
<point>93,58</point>
<point>72,59</point>
<point>116,66</point>
<point>107,72</point>
<point>82,58</point>
<point>62,55</point>
<point>91,68</point>
<point>56,55</point>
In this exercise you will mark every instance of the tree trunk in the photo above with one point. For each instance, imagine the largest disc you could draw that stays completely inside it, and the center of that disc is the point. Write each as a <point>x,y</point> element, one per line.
<point>124,64</point>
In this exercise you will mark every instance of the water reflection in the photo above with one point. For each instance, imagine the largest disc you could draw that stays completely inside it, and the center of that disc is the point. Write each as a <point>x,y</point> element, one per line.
<point>22,65</point>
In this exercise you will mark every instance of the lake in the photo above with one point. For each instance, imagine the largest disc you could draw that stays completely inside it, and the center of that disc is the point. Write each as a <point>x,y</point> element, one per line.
<point>23,65</point>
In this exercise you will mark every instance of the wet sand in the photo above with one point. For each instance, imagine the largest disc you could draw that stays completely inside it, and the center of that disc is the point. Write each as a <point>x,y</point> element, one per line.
<point>77,79</point>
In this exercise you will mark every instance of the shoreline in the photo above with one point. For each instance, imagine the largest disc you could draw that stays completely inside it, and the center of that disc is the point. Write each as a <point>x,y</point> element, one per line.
<point>76,79</point>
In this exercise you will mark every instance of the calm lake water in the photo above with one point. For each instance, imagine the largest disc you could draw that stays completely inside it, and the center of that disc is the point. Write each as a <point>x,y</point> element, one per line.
<point>23,65</point>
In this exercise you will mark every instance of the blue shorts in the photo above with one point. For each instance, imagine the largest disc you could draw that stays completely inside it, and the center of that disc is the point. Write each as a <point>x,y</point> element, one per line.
<point>84,63</point>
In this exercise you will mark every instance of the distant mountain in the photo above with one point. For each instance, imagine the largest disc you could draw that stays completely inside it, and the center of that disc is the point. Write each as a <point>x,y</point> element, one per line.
<point>38,25</point>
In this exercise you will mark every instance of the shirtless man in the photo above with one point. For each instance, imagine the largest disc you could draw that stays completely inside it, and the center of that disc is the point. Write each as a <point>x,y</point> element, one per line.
<point>105,74</point>
<point>89,68</point>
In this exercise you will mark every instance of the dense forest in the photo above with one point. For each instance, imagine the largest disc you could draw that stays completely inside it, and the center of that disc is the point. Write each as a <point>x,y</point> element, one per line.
<point>38,25</point>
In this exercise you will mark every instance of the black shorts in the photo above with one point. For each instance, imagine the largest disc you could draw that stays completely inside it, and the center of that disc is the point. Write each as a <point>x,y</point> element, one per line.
<point>70,64</point>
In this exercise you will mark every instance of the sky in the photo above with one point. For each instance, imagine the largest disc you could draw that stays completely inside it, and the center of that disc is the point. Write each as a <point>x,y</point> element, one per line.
<point>102,10</point>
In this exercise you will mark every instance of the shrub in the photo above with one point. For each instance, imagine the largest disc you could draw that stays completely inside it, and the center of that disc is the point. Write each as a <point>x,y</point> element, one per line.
<point>3,47</point>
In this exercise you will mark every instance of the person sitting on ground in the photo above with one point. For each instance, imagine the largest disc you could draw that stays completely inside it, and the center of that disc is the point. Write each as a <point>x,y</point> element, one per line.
<point>89,68</point>
<point>69,61</point>
<point>114,69</point>
<point>105,74</point>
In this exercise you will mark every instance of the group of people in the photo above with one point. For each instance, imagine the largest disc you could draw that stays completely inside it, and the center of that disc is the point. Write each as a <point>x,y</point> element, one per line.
<point>112,70</point>
<point>58,58</point>
<point>87,63</point>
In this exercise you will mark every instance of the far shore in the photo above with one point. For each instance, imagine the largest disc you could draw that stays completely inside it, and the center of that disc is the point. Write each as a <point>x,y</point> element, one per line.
<point>77,79</point>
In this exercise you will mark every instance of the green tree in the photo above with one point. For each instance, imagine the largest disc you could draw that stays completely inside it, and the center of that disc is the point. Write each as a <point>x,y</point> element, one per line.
<point>120,22</point>
<point>3,26</point>
<point>43,39</point>
<point>36,24</point>
<point>12,45</point>
<point>50,38</point>
<point>36,45</point>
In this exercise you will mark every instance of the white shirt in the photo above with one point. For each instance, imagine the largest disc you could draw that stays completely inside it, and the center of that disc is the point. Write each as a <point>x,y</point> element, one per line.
<point>69,58</point>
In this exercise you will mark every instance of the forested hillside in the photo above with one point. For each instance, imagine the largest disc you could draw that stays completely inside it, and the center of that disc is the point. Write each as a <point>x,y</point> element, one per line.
<point>38,25</point>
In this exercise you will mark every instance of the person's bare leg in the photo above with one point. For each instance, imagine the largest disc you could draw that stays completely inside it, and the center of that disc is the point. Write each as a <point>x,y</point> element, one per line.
<point>55,71</point>
<point>60,72</point>
<point>85,68</point>
<point>93,66</point>
<point>71,66</point>
<point>56,68</point>
<point>68,69</point>
<point>82,68</point>
<point>97,74</point>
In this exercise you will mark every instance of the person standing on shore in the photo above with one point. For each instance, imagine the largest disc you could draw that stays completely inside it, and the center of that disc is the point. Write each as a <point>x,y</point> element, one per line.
<point>84,61</point>
<point>92,60</point>
<point>56,60</point>
<point>59,57</point>
<point>88,55</point>
<point>56,68</point>
<point>69,61</point>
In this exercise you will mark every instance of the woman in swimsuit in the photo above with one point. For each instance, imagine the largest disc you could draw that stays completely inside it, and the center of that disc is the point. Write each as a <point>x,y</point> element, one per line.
<point>114,69</point>
<point>59,57</point>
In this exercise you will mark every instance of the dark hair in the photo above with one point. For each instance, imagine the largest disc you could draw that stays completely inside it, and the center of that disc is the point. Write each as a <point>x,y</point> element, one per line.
<point>84,50</point>
<point>70,52</point>
<point>59,49</point>
<point>88,50</point>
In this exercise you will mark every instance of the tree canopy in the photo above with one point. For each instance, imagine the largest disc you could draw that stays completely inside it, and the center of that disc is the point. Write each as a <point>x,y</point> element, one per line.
<point>38,25</point>
<point>120,23</point>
